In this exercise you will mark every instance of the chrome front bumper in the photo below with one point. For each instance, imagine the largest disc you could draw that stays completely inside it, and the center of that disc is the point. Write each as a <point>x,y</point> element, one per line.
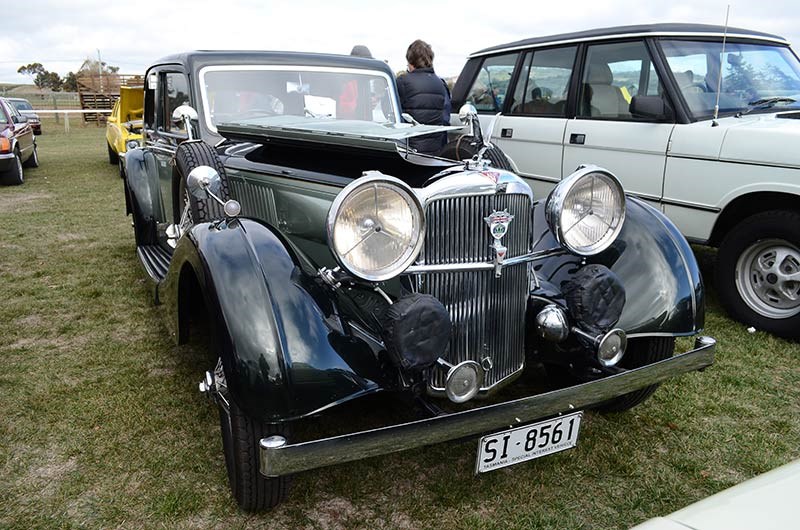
<point>278,458</point>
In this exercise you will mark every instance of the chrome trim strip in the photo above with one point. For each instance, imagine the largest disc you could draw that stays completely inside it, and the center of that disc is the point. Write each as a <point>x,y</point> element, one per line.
<point>288,459</point>
<point>628,36</point>
<point>481,266</point>
<point>692,205</point>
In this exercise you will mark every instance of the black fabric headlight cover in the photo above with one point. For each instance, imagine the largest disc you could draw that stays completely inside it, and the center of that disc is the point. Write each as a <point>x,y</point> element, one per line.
<point>595,298</point>
<point>416,330</point>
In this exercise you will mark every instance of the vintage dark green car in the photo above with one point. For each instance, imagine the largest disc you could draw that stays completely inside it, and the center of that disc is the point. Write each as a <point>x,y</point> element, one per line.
<point>276,195</point>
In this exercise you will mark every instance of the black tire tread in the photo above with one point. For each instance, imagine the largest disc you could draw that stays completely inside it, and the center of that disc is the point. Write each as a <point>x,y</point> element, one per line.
<point>113,157</point>
<point>253,492</point>
<point>783,224</point>
<point>33,160</point>
<point>640,353</point>
<point>13,177</point>
<point>189,156</point>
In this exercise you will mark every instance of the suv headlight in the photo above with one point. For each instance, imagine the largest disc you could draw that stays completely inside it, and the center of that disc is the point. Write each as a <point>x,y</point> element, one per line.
<point>376,227</point>
<point>131,145</point>
<point>586,211</point>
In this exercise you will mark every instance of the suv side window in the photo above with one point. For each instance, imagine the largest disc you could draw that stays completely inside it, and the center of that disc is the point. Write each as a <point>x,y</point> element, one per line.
<point>489,88</point>
<point>176,94</point>
<point>613,74</point>
<point>543,84</point>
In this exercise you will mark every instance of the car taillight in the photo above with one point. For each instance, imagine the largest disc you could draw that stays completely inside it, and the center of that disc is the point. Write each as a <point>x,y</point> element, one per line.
<point>5,145</point>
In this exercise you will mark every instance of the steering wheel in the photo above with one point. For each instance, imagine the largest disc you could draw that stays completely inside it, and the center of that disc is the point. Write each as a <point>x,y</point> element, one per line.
<point>255,113</point>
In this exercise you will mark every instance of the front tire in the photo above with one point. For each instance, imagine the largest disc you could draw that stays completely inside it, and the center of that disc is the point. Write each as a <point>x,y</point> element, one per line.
<point>113,157</point>
<point>33,161</point>
<point>241,436</point>
<point>758,272</point>
<point>14,176</point>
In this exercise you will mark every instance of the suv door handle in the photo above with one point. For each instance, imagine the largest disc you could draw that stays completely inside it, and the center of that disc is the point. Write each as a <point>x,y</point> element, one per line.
<point>578,139</point>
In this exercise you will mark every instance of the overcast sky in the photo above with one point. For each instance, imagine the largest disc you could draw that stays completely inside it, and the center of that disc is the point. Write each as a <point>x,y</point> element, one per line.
<point>60,35</point>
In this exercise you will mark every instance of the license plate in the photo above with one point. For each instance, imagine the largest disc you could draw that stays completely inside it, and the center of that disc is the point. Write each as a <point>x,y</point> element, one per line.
<point>528,442</point>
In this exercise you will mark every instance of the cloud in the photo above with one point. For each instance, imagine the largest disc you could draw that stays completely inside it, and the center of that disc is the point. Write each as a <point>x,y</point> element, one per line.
<point>61,35</point>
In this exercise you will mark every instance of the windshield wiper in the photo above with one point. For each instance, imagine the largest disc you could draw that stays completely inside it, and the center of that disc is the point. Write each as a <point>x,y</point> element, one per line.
<point>764,103</point>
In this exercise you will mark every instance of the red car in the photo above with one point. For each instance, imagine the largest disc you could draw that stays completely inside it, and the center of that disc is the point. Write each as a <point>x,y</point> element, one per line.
<point>17,144</point>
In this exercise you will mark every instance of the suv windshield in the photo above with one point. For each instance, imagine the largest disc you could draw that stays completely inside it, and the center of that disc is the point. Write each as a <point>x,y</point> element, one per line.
<point>751,73</point>
<point>21,105</point>
<point>257,93</point>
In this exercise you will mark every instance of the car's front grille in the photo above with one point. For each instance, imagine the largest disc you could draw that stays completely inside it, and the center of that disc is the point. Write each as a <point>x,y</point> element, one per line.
<point>457,233</point>
<point>488,313</point>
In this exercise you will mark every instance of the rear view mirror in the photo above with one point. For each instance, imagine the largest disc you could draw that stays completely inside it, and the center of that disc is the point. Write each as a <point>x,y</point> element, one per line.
<point>652,107</point>
<point>19,119</point>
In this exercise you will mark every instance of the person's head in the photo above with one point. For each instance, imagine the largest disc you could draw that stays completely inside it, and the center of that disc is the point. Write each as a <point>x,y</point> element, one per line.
<point>359,50</point>
<point>419,55</point>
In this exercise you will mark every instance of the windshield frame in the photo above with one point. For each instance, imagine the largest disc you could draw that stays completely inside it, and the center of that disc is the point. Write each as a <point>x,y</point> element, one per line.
<point>204,100</point>
<point>695,114</point>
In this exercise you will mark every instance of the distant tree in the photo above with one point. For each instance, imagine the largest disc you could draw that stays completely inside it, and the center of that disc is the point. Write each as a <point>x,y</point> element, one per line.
<point>70,82</point>
<point>52,81</point>
<point>34,71</point>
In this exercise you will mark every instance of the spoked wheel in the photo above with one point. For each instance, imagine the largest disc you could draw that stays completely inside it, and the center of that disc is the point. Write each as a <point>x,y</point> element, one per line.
<point>758,272</point>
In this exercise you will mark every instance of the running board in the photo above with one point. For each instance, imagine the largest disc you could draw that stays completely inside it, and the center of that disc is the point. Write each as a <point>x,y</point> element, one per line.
<point>155,261</point>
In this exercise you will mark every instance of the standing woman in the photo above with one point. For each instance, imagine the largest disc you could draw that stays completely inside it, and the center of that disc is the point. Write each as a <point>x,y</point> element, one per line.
<point>425,96</point>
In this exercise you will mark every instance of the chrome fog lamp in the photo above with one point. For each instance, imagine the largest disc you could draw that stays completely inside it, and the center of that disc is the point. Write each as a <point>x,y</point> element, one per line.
<point>463,381</point>
<point>612,347</point>
<point>376,227</point>
<point>586,211</point>
<point>552,324</point>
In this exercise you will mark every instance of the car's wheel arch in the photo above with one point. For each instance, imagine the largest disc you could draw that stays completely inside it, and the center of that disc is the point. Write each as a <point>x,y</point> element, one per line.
<point>264,323</point>
<point>748,204</point>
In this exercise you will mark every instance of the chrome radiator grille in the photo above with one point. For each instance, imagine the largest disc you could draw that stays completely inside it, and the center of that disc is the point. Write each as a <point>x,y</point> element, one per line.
<point>487,313</point>
<point>457,233</point>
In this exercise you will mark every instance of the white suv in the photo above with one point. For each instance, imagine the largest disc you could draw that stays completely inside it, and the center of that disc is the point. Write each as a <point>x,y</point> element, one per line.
<point>640,101</point>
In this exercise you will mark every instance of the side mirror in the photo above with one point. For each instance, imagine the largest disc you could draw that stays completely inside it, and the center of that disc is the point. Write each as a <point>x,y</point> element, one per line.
<point>468,115</point>
<point>204,181</point>
<point>185,114</point>
<point>652,107</point>
<point>19,119</point>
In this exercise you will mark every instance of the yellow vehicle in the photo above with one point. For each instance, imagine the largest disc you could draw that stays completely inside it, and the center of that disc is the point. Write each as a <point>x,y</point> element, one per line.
<point>124,126</point>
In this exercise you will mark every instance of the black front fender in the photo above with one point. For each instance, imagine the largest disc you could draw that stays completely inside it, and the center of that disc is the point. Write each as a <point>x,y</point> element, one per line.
<point>282,354</point>
<point>663,285</point>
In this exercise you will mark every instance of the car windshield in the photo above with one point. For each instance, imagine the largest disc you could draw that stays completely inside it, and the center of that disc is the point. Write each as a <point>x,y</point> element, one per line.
<point>22,105</point>
<point>252,94</point>
<point>752,74</point>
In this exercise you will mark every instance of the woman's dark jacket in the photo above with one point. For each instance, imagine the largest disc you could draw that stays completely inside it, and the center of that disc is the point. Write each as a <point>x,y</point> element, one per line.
<point>426,97</point>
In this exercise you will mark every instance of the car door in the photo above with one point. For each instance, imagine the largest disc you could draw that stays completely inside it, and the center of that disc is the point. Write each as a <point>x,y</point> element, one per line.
<point>165,136</point>
<point>531,131</point>
<point>605,133</point>
<point>22,131</point>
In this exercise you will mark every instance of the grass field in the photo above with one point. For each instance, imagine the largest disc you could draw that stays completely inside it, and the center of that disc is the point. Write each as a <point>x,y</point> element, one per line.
<point>102,425</point>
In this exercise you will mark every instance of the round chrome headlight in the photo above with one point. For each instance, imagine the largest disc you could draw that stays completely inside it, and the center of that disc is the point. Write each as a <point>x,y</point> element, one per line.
<point>586,211</point>
<point>376,227</point>
<point>131,145</point>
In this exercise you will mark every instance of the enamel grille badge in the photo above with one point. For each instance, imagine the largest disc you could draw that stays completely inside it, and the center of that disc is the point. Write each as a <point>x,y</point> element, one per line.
<point>498,222</point>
